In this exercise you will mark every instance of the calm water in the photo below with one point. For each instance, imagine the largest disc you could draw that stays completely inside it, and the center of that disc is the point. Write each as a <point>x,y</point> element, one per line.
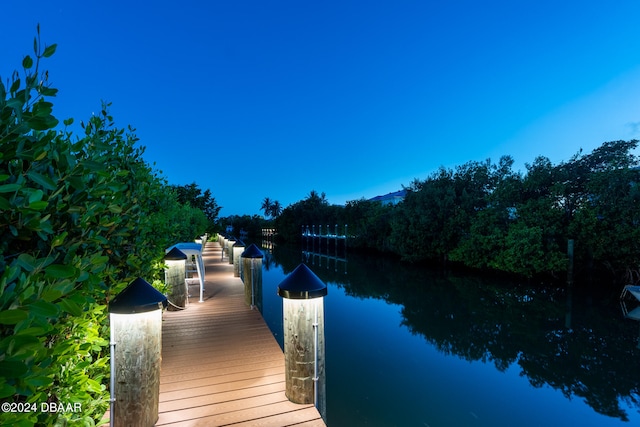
<point>407,346</point>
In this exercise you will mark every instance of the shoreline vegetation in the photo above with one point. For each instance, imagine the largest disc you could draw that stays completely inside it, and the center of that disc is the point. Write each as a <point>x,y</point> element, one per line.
<point>485,217</point>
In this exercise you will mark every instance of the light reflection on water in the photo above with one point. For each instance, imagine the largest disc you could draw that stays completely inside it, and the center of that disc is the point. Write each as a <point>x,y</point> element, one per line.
<point>399,364</point>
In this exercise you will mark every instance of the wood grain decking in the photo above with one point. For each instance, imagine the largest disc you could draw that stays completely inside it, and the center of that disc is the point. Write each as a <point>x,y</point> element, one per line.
<point>221,364</point>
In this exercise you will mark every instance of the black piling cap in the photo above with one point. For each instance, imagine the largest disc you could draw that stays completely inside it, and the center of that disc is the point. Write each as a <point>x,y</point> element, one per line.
<point>175,254</point>
<point>252,251</point>
<point>138,297</point>
<point>238,244</point>
<point>302,283</point>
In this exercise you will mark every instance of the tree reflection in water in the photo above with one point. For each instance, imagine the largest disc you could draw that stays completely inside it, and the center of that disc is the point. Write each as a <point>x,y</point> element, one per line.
<point>576,343</point>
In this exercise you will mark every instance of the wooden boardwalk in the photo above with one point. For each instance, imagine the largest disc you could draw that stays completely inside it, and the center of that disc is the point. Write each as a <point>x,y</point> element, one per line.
<point>221,364</point>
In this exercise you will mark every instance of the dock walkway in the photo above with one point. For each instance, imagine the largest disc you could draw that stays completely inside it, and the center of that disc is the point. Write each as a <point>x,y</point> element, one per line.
<point>221,364</point>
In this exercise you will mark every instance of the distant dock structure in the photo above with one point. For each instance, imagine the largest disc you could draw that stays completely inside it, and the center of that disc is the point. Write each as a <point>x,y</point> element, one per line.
<point>325,260</point>
<point>319,242</point>
<point>268,237</point>
<point>324,244</point>
<point>269,233</point>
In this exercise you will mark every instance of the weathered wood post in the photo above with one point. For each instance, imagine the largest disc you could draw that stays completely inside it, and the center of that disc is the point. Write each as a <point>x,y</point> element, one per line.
<point>252,275</point>
<point>221,240</point>
<point>223,245</point>
<point>303,321</point>
<point>174,277</point>
<point>230,242</point>
<point>238,248</point>
<point>135,318</point>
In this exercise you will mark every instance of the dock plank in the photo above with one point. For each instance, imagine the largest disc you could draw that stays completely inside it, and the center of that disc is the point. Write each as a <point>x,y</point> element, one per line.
<point>221,364</point>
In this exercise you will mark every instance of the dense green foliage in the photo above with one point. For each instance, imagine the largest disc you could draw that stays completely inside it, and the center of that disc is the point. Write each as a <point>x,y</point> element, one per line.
<point>313,210</point>
<point>242,225</point>
<point>80,217</point>
<point>193,196</point>
<point>486,216</point>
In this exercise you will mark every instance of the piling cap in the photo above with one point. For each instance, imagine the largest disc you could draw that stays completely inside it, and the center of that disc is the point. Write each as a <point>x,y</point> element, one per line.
<point>238,244</point>
<point>302,283</point>
<point>175,254</point>
<point>252,251</point>
<point>138,297</point>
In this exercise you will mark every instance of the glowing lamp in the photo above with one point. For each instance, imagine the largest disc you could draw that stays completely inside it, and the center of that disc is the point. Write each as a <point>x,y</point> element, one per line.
<point>135,318</point>
<point>230,242</point>
<point>222,238</point>
<point>238,248</point>
<point>252,274</point>
<point>303,322</point>
<point>174,277</point>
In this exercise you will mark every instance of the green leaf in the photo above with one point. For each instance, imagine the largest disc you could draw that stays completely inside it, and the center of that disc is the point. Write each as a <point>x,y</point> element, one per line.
<point>10,274</point>
<point>70,307</point>
<point>76,182</point>
<point>35,196</point>
<point>60,271</point>
<point>11,317</point>
<point>93,165</point>
<point>94,386</point>
<point>9,188</point>
<point>41,156</point>
<point>38,206</point>
<point>22,347</point>
<point>40,381</point>
<point>115,209</point>
<point>11,369</point>
<point>47,91</point>
<point>36,331</point>
<point>50,50</point>
<point>63,287</point>
<point>14,87</point>
<point>44,181</point>
<point>50,294</point>
<point>27,62</point>
<point>6,390</point>
<point>27,262</point>
<point>59,239</point>
<point>42,123</point>
<point>42,108</point>
<point>15,104</point>
<point>43,308</point>
<point>4,204</point>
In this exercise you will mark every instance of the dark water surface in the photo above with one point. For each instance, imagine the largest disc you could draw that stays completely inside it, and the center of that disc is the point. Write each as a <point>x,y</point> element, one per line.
<point>408,346</point>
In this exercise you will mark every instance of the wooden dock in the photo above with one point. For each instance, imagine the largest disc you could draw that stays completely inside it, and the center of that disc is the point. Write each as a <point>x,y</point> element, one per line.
<point>221,364</point>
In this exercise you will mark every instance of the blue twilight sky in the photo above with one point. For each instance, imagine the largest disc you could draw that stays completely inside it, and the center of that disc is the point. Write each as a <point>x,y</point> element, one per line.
<point>256,99</point>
